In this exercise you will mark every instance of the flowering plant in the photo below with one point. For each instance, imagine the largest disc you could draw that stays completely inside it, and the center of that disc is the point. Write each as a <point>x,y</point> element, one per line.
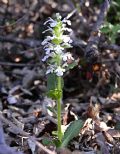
<point>57,59</point>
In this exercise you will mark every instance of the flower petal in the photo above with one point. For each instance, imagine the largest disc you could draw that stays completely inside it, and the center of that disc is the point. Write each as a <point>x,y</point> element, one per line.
<point>50,69</point>
<point>59,71</point>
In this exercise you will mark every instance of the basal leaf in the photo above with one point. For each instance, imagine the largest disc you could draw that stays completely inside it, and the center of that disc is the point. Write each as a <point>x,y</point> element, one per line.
<point>71,132</point>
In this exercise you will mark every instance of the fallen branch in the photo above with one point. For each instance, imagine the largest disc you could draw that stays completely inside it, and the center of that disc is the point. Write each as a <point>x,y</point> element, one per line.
<point>91,52</point>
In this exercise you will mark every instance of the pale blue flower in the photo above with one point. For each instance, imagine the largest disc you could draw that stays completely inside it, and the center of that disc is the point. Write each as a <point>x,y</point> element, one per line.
<point>45,57</point>
<point>51,22</point>
<point>48,49</point>
<point>59,71</point>
<point>47,40</point>
<point>50,69</point>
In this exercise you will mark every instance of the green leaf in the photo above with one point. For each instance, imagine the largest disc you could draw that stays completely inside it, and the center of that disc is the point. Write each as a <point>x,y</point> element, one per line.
<point>116,28</point>
<point>54,133</point>
<point>47,141</point>
<point>67,45</point>
<point>57,28</point>
<point>71,132</point>
<point>116,3</point>
<point>51,81</point>
<point>56,143</point>
<point>57,41</point>
<point>113,38</point>
<point>52,90</point>
<point>111,31</point>
<point>72,65</point>
<point>105,30</point>
<point>100,1</point>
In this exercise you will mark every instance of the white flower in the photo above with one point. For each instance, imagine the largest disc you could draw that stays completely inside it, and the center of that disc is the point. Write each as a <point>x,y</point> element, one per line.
<point>47,51</point>
<point>45,41</point>
<point>66,39</point>
<point>47,45</point>
<point>67,56</point>
<point>58,16</point>
<point>64,28</point>
<point>58,49</point>
<point>48,54</point>
<point>65,65</point>
<point>66,21</point>
<point>50,69</point>
<point>52,22</point>
<point>48,38</point>
<point>59,71</point>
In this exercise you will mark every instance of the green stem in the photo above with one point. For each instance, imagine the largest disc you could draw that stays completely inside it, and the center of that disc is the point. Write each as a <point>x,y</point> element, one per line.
<point>59,109</point>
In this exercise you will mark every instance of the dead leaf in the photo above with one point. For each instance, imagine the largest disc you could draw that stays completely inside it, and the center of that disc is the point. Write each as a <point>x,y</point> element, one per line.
<point>114,133</point>
<point>93,110</point>
<point>109,137</point>
<point>101,126</point>
<point>69,115</point>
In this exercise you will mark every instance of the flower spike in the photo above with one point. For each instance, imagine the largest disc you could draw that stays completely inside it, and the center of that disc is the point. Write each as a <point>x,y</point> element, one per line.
<point>55,45</point>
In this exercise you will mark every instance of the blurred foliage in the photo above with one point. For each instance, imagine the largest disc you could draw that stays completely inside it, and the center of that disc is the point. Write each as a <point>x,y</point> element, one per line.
<point>111,27</point>
<point>99,1</point>
<point>114,12</point>
<point>111,31</point>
